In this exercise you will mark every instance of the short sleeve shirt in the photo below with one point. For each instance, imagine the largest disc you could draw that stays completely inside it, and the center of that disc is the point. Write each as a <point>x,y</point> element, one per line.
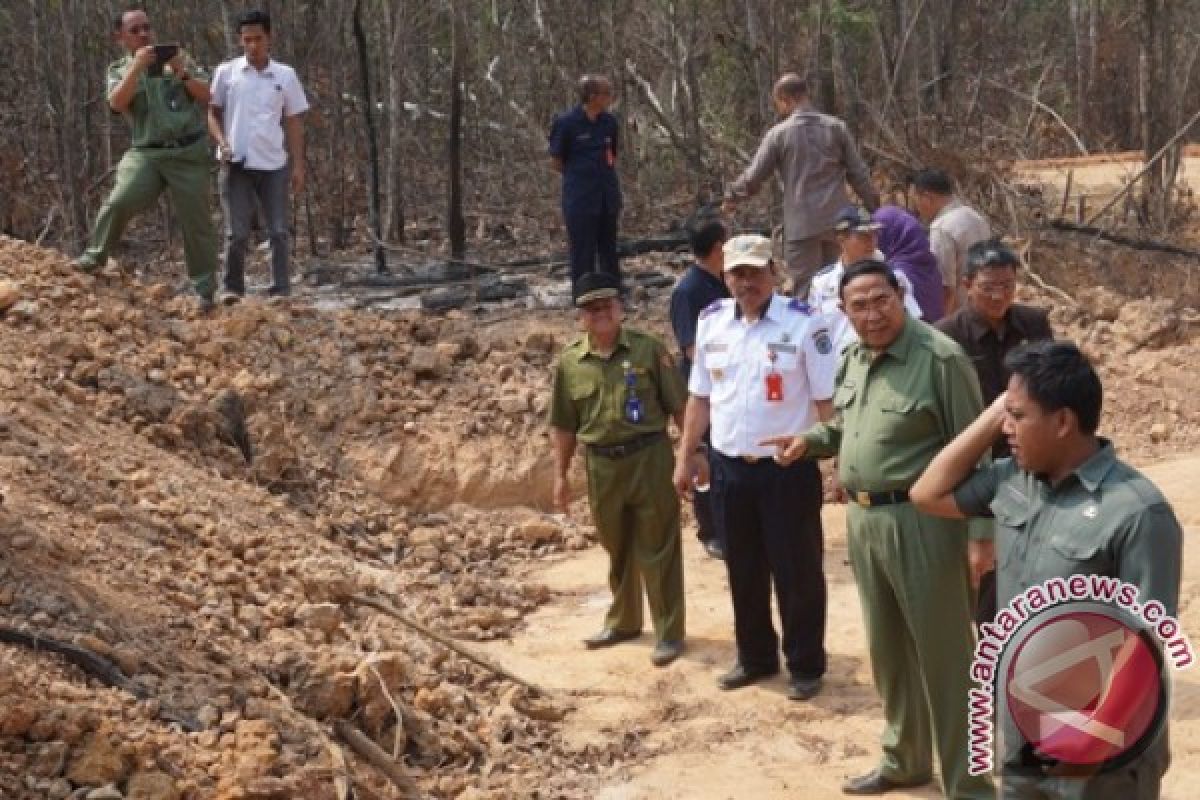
<point>590,391</point>
<point>588,149</point>
<point>951,234</point>
<point>734,359</point>
<point>1106,518</point>
<point>697,290</point>
<point>255,103</point>
<point>824,296</point>
<point>161,109</point>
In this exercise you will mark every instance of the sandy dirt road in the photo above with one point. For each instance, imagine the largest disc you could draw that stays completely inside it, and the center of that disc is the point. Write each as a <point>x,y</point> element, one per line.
<point>699,743</point>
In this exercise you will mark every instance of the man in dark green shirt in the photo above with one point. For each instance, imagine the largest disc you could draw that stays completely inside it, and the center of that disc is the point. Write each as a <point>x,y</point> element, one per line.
<point>614,389</point>
<point>1064,505</point>
<point>904,391</point>
<point>165,106</point>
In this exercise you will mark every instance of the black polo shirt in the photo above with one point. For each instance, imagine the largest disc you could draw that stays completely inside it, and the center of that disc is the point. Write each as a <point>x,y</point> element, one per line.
<point>988,347</point>
<point>695,291</point>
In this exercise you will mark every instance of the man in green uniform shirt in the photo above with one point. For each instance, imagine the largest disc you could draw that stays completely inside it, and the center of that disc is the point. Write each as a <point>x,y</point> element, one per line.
<point>904,391</point>
<point>165,106</point>
<point>614,389</point>
<point>1064,505</point>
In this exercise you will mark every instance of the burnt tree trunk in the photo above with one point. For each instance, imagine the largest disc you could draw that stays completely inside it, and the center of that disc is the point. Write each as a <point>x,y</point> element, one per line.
<point>364,76</point>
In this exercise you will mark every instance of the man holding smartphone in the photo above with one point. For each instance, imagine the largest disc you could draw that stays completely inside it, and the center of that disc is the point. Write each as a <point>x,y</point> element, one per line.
<point>255,102</point>
<point>162,95</point>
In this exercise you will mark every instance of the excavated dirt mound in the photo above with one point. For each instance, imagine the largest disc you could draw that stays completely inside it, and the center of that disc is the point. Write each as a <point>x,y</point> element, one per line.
<point>199,499</point>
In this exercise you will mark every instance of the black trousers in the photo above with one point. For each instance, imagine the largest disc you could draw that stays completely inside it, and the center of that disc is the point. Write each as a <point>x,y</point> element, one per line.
<point>771,520</point>
<point>985,602</point>
<point>592,241</point>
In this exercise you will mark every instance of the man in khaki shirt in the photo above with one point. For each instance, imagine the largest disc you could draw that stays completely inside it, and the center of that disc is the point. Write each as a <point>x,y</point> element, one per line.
<point>814,155</point>
<point>953,228</point>
<point>904,391</point>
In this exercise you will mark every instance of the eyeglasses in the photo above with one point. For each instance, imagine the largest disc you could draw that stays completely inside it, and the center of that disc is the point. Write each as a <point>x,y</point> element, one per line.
<point>141,28</point>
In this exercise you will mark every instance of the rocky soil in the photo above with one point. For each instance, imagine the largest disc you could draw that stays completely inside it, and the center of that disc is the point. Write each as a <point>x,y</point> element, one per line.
<point>200,501</point>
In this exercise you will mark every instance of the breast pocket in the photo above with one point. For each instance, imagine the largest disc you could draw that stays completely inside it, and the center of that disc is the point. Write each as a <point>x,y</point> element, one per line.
<point>1075,553</point>
<point>581,389</point>
<point>902,420</point>
<point>1011,521</point>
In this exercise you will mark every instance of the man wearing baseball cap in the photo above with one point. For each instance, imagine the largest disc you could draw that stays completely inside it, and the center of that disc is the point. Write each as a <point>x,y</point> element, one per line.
<point>857,237</point>
<point>764,365</point>
<point>614,389</point>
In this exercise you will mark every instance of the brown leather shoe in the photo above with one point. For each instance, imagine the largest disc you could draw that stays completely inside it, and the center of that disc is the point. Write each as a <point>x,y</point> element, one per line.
<point>875,783</point>
<point>608,637</point>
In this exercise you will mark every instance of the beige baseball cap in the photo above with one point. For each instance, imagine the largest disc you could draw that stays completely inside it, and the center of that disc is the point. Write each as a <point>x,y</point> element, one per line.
<point>749,249</point>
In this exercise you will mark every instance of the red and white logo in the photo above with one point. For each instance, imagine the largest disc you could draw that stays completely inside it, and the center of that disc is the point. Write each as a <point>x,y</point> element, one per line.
<point>1085,687</point>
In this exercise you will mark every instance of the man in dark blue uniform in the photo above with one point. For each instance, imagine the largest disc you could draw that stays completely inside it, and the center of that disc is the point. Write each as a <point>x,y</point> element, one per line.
<point>583,148</point>
<point>699,288</point>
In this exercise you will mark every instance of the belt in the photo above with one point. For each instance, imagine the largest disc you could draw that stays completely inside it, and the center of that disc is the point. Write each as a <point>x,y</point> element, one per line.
<point>868,499</point>
<point>182,141</point>
<point>625,448</point>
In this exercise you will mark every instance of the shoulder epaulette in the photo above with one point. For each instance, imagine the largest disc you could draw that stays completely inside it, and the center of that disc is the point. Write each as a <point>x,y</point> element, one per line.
<point>713,307</point>
<point>825,269</point>
<point>799,305</point>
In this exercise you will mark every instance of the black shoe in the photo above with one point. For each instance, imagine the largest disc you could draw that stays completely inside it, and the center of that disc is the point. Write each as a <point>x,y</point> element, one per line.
<point>739,676</point>
<point>875,782</point>
<point>228,297</point>
<point>205,303</point>
<point>803,688</point>
<point>666,651</point>
<point>714,549</point>
<point>608,637</point>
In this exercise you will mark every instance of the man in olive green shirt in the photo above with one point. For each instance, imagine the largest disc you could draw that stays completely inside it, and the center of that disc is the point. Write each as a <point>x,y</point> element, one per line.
<point>165,106</point>
<point>614,389</point>
<point>903,392</point>
<point>1064,505</point>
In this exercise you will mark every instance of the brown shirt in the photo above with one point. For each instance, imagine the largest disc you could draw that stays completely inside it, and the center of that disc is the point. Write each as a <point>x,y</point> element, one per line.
<point>815,156</point>
<point>988,347</point>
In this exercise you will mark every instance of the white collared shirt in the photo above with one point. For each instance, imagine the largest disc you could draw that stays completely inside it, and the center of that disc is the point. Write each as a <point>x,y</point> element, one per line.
<point>255,103</point>
<point>734,358</point>
<point>823,296</point>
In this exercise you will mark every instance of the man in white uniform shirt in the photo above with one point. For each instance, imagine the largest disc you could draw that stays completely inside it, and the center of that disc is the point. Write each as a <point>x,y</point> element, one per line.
<point>857,239</point>
<point>763,365</point>
<point>255,100</point>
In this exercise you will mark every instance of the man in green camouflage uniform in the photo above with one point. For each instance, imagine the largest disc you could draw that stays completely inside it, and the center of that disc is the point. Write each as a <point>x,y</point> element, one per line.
<point>165,106</point>
<point>614,389</point>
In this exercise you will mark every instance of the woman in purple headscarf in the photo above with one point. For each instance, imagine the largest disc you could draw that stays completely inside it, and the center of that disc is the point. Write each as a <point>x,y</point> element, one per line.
<point>905,247</point>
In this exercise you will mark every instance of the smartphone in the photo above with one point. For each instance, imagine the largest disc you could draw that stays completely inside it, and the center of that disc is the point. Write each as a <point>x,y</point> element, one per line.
<point>165,52</point>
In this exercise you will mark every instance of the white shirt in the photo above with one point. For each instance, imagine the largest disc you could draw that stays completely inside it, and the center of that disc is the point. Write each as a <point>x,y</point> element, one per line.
<point>823,296</point>
<point>734,358</point>
<point>254,104</point>
<point>955,228</point>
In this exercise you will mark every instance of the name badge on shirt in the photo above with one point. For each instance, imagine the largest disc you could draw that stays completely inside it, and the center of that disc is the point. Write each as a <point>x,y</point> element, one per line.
<point>774,381</point>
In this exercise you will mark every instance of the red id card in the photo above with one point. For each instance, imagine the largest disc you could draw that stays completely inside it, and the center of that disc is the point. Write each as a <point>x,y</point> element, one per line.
<point>774,387</point>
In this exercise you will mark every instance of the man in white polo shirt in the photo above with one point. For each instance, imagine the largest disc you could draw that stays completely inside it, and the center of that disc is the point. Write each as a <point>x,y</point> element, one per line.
<point>763,365</point>
<point>255,100</point>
